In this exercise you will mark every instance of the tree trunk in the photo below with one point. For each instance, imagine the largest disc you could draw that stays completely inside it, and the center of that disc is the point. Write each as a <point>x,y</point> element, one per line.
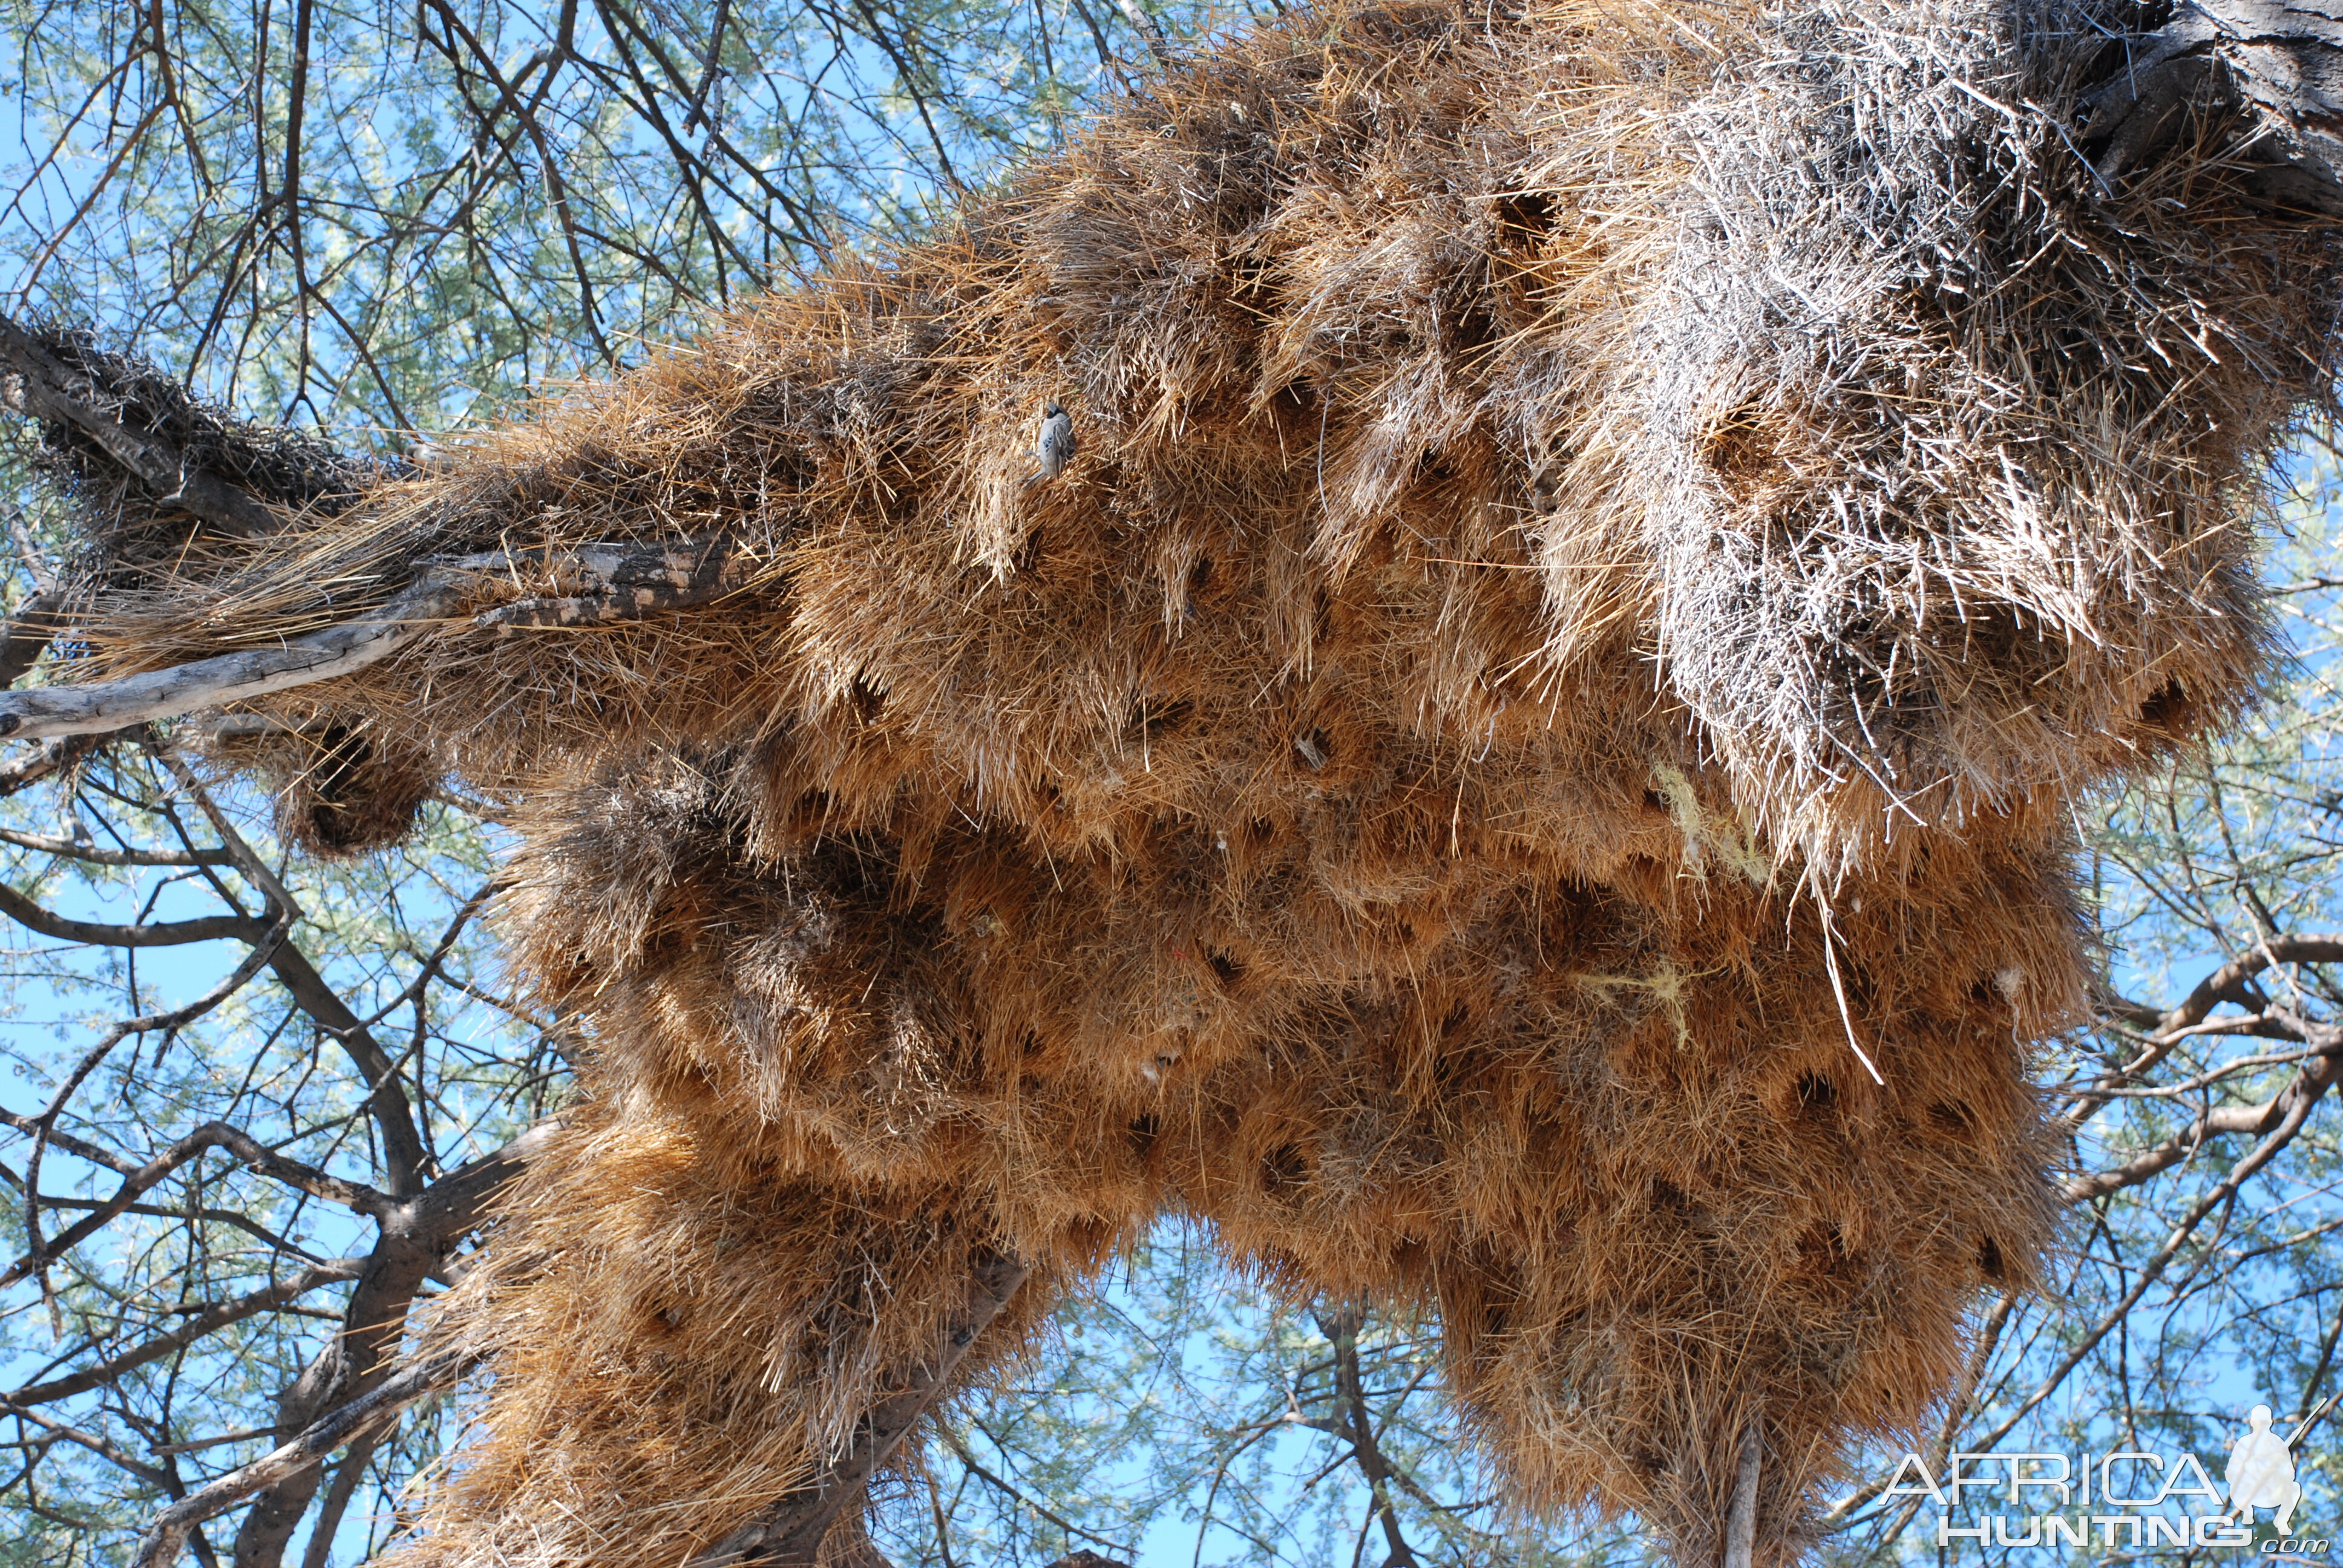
<point>2284,57</point>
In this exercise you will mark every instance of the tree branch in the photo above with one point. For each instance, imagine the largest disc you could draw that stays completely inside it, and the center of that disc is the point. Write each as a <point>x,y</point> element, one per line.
<point>1149,28</point>
<point>42,386</point>
<point>2282,57</point>
<point>2297,1111</point>
<point>167,1536</point>
<point>1741,1514</point>
<point>28,634</point>
<point>413,1240</point>
<point>786,1533</point>
<point>233,676</point>
<point>195,1328</point>
<point>628,586</point>
<point>356,1196</point>
<point>169,934</point>
<point>615,583</point>
<point>2315,1078</point>
<point>2168,1029</point>
<point>1356,1422</point>
<point>46,845</point>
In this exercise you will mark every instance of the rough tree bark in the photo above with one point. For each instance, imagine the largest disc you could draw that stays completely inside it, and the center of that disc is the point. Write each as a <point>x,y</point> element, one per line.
<point>414,1241</point>
<point>37,384</point>
<point>2283,56</point>
<point>788,1532</point>
<point>1741,1514</point>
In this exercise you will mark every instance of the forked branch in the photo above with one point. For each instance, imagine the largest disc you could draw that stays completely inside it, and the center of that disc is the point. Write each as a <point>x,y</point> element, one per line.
<point>368,1413</point>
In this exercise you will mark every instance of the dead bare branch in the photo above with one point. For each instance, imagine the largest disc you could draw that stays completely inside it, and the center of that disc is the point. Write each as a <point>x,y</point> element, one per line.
<point>167,1536</point>
<point>37,384</point>
<point>616,582</point>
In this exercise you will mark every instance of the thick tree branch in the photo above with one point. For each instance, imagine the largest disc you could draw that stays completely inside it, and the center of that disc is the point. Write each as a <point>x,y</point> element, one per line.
<point>28,634</point>
<point>627,587</point>
<point>786,1533</point>
<point>2224,984</point>
<point>38,384</point>
<point>1740,1531</point>
<point>614,583</point>
<point>459,1203</point>
<point>413,1240</point>
<point>2283,57</point>
<point>231,676</point>
<point>1354,1423</point>
<point>1149,28</point>
<point>170,933</point>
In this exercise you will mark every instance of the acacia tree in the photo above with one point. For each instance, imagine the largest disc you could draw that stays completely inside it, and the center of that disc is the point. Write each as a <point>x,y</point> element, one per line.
<point>276,1092</point>
<point>366,216</point>
<point>230,1204</point>
<point>2201,1274</point>
<point>263,1098</point>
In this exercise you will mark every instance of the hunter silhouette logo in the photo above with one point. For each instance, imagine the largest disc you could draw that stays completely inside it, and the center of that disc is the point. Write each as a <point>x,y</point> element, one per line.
<point>2261,1470</point>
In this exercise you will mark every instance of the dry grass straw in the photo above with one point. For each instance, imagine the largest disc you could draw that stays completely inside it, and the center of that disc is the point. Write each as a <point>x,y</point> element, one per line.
<point>339,789</point>
<point>1563,496</point>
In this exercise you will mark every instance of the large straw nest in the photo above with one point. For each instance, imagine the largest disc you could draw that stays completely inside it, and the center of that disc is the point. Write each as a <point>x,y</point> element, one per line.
<point>1599,530</point>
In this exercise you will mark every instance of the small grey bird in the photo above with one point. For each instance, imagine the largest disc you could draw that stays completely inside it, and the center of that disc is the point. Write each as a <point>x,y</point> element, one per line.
<point>1054,448</point>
